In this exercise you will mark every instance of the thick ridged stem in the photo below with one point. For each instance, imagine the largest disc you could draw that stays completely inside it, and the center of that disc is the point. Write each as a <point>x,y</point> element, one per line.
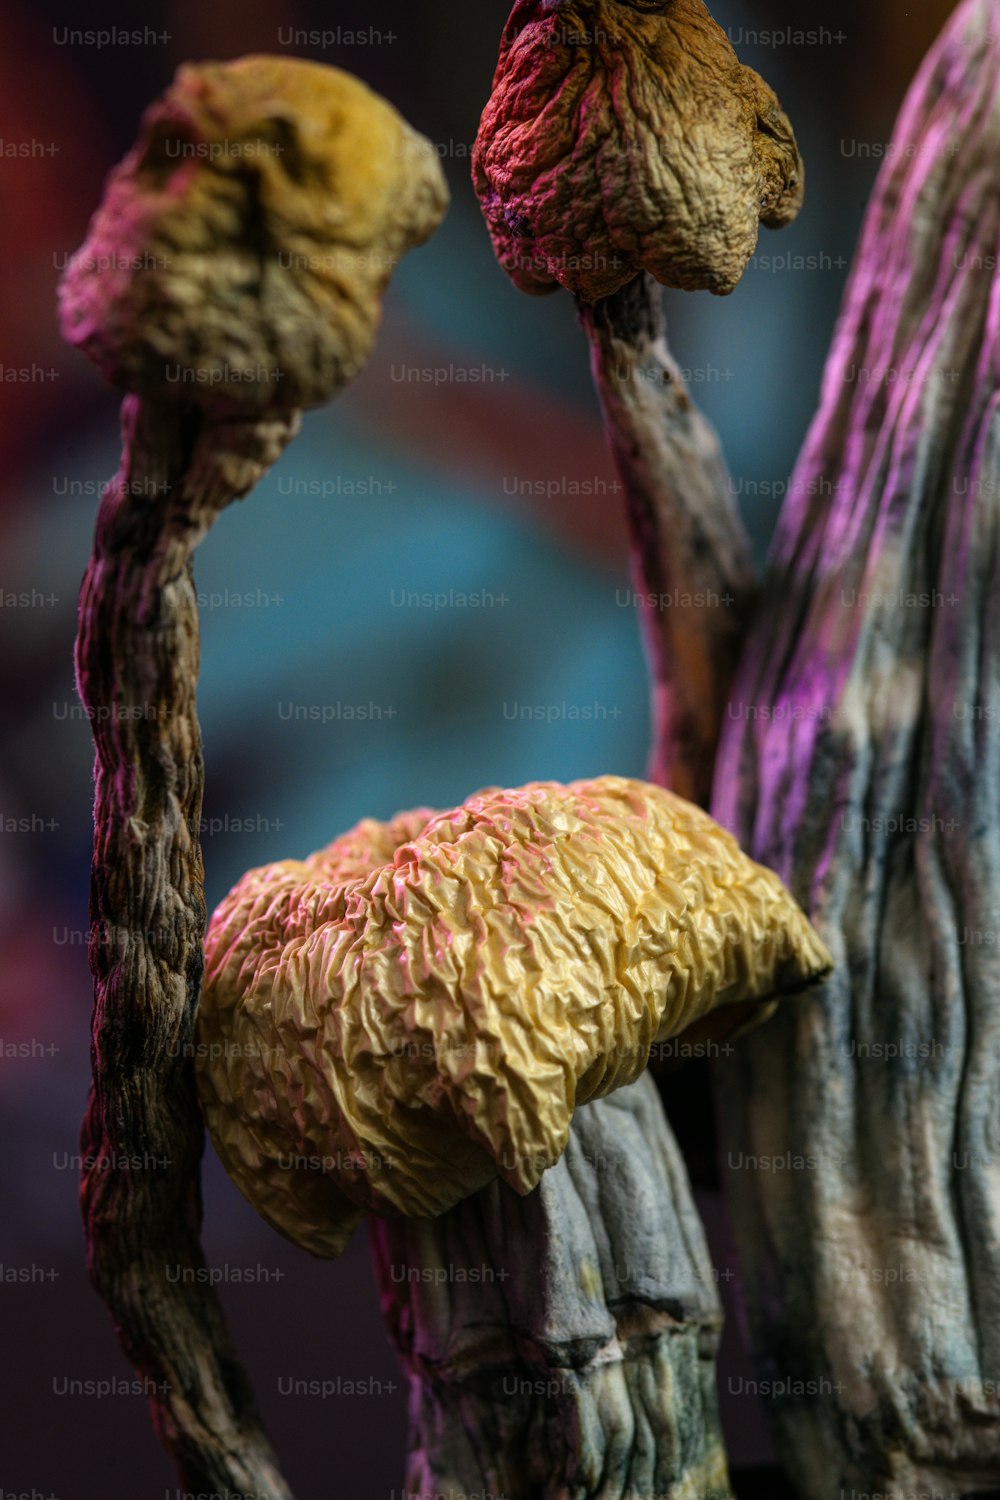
<point>861,761</point>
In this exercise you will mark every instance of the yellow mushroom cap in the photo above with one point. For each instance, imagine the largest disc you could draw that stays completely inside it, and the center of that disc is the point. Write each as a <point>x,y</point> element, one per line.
<point>421,1006</point>
<point>239,256</point>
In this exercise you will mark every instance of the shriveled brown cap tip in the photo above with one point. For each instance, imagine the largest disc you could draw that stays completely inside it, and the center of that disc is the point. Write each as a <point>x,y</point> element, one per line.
<point>625,136</point>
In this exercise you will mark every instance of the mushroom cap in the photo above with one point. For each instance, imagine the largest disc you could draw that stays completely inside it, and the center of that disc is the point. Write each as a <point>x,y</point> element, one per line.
<point>624,136</point>
<point>238,258</point>
<point>420,1007</point>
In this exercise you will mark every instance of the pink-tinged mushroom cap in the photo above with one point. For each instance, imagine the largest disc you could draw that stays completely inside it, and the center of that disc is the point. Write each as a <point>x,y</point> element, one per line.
<point>421,1006</point>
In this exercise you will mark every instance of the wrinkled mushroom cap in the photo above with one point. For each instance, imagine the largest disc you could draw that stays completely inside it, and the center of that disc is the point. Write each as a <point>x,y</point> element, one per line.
<point>240,253</point>
<point>420,1007</point>
<point>623,136</point>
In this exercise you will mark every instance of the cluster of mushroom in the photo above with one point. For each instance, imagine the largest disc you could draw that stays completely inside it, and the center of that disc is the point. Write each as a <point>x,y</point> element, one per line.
<point>419,1008</point>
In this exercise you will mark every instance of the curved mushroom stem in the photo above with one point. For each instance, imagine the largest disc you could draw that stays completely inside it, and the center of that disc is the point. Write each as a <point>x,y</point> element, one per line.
<point>137,668</point>
<point>692,565</point>
<point>875,793</point>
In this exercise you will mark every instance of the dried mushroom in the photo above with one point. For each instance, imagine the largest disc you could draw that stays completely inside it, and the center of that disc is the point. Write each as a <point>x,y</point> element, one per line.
<point>232,272</point>
<point>250,233</point>
<point>623,137</point>
<point>421,1006</point>
<point>623,145</point>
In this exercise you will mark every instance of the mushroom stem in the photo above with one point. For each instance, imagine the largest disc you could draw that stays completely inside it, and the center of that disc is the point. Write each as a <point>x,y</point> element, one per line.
<point>137,660</point>
<point>866,771</point>
<point>692,566</point>
<point>564,1343</point>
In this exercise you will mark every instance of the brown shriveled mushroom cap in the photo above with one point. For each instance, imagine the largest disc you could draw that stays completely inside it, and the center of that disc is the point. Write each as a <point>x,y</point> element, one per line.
<point>421,1006</point>
<point>625,135</point>
<point>250,233</point>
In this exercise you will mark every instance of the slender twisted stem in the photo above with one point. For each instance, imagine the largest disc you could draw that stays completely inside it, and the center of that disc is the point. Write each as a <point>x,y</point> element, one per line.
<point>137,669</point>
